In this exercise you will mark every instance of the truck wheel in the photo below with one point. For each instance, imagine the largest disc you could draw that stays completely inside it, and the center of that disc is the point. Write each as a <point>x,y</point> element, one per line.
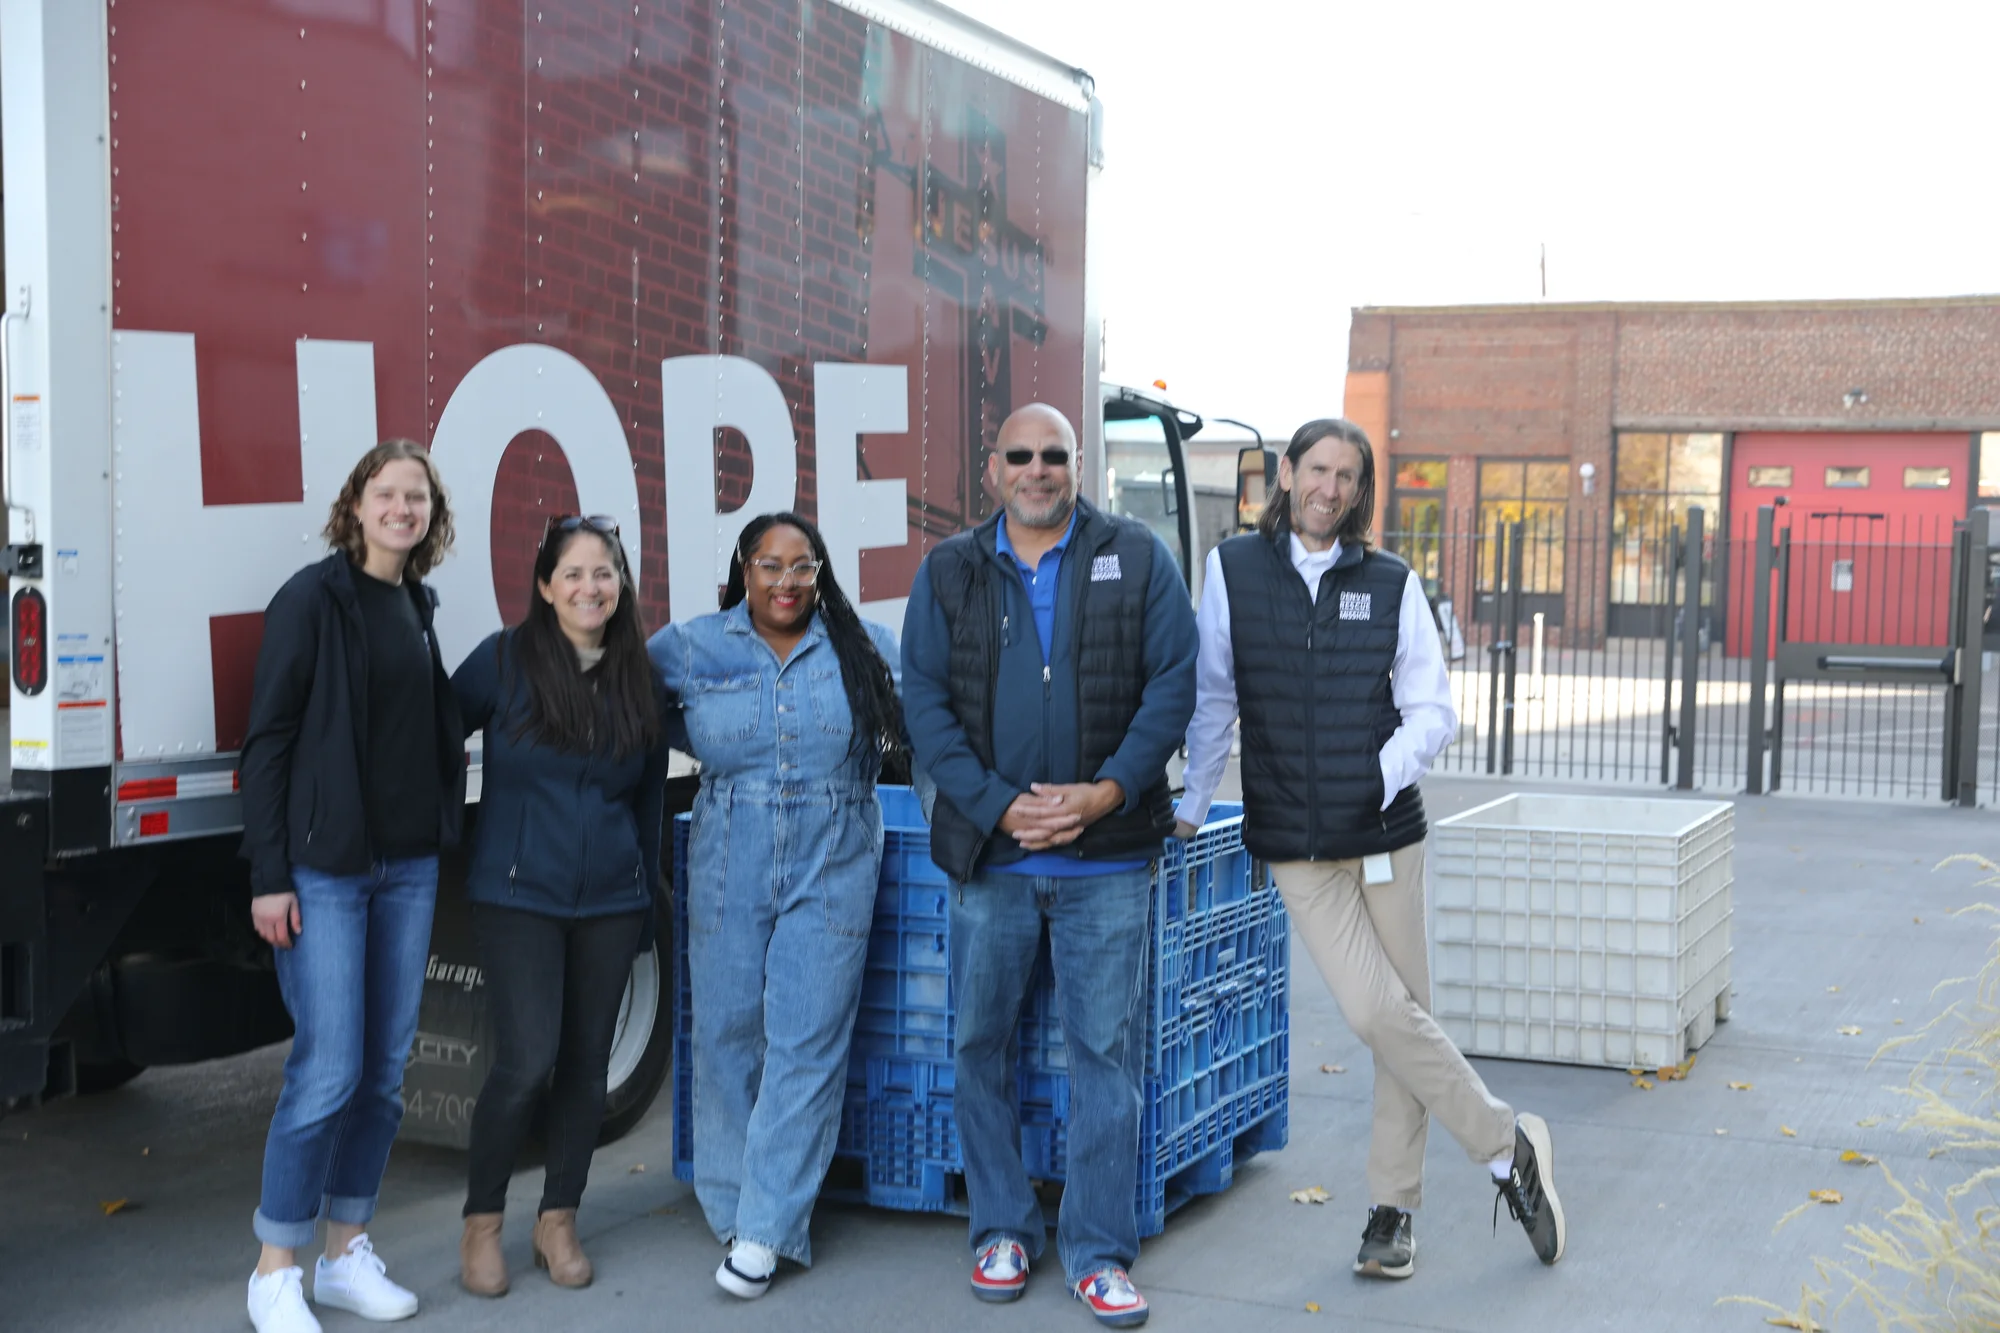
<point>104,1075</point>
<point>641,1048</point>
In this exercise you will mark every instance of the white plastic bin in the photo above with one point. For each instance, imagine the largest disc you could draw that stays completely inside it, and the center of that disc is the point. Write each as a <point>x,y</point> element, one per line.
<point>1587,930</point>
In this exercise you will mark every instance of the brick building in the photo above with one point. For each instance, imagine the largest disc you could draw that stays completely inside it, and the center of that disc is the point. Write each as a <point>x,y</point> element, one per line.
<point>1599,425</point>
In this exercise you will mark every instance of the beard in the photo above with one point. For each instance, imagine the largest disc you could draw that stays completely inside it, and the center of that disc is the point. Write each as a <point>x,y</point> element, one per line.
<point>1035,512</point>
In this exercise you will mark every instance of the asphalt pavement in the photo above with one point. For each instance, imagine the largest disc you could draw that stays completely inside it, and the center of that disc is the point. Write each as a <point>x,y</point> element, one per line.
<point>1671,1192</point>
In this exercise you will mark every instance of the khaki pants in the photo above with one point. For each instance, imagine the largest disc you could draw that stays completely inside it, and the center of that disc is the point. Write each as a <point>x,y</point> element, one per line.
<point>1369,943</point>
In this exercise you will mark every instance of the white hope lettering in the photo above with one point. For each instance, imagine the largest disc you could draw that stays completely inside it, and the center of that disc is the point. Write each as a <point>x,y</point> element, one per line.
<point>165,528</point>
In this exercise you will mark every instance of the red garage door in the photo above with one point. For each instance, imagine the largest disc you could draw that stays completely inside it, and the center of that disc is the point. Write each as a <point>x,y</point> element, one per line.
<point>1870,517</point>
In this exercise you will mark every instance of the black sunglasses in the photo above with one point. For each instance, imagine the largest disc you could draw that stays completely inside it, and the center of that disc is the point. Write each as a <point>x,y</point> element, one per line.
<point>1055,456</point>
<point>602,524</point>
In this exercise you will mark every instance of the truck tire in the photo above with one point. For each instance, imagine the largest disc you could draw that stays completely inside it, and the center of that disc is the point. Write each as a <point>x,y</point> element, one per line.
<point>641,1047</point>
<point>94,1076</point>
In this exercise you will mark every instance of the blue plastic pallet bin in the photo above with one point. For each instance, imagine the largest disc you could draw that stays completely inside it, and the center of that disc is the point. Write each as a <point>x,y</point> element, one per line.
<point>1217,1058</point>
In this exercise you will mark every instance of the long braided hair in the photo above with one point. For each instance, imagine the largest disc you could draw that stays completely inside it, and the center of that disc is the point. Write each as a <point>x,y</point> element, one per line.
<point>871,688</point>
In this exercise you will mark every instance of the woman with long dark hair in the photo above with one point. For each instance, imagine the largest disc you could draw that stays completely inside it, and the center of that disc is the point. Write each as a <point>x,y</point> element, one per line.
<point>791,705</point>
<point>353,775</point>
<point>564,860</point>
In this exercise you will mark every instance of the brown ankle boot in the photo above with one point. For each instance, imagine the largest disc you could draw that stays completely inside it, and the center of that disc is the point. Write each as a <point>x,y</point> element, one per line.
<point>482,1269</point>
<point>556,1248</point>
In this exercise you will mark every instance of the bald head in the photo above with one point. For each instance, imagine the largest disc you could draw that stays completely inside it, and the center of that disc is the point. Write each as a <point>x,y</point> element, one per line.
<point>1033,421</point>
<point>1033,469</point>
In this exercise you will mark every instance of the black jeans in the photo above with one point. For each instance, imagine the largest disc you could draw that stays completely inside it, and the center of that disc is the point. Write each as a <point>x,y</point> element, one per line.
<point>552,990</point>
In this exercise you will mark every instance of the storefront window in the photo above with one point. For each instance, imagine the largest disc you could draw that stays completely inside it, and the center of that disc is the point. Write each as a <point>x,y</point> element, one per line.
<point>1416,517</point>
<point>1659,477</point>
<point>1535,493</point>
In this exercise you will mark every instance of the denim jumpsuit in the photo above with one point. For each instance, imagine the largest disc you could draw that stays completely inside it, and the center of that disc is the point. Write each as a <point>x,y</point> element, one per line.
<point>783,858</point>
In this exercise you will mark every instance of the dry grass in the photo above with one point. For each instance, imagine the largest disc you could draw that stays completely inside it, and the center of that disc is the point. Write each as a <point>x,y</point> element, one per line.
<point>1931,1264</point>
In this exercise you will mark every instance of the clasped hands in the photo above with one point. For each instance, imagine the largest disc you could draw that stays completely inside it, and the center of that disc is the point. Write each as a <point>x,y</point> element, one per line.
<point>1050,814</point>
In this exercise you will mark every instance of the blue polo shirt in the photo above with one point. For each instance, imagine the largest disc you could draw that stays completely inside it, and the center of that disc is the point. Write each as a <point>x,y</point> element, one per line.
<point>1042,583</point>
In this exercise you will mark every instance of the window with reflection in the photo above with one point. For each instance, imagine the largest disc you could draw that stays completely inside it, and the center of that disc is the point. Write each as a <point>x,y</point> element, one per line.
<point>1776,478</point>
<point>1139,476</point>
<point>1926,478</point>
<point>1656,478</point>
<point>1535,493</point>
<point>1415,518</point>
<point>1847,478</point>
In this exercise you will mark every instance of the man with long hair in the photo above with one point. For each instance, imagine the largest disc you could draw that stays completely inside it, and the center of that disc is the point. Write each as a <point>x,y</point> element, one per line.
<point>1327,649</point>
<point>1048,673</point>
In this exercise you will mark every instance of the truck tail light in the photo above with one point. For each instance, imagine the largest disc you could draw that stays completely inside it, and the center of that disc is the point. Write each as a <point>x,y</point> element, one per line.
<point>30,639</point>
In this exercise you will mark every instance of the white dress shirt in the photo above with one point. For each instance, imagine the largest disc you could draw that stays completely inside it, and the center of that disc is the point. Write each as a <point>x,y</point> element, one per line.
<point>1417,683</point>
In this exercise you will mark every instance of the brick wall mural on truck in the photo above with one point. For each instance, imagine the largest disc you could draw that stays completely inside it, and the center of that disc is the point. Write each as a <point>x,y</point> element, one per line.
<point>489,225</point>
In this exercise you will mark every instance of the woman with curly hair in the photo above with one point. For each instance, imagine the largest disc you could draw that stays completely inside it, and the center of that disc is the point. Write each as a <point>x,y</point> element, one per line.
<point>353,778</point>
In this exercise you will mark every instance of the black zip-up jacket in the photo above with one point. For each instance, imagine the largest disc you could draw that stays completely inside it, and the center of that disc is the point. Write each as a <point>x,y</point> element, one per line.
<point>303,759</point>
<point>1113,697</point>
<point>560,834</point>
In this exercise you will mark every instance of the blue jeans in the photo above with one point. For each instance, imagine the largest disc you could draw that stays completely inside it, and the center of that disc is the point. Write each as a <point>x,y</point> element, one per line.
<point>353,980</point>
<point>1097,942</point>
<point>780,899</point>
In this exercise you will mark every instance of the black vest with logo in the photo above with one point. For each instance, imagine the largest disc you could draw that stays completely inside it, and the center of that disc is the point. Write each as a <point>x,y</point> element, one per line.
<point>1312,686</point>
<point>1109,623</point>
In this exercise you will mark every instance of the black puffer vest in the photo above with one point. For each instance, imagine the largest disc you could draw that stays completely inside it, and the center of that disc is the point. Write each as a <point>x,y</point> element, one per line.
<point>1312,686</point>
<point>1109,623</point>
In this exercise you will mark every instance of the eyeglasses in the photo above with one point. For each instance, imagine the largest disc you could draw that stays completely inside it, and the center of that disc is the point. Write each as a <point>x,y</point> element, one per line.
<point>774,575</point>
<point>602,524</point>
<point>1055,456</point>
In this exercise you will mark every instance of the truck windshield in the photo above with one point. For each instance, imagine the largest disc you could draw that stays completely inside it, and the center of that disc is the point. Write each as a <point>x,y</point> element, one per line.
<point>1140,480</point>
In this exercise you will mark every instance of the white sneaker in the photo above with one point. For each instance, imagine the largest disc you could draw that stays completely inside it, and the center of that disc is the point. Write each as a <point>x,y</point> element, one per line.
<point>278,1303</point>
<point>748,1269</point>
<point>357,1282</point>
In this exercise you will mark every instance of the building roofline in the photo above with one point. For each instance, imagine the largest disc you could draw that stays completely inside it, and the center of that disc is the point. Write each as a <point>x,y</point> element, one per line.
<point>1676,307</point>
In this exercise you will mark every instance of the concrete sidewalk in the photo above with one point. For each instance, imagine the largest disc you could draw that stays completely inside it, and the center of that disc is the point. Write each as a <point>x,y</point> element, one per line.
<point>1671,1193</point>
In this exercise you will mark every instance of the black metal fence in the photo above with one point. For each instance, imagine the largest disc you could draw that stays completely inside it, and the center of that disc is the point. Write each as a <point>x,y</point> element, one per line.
<point>1583,650</point>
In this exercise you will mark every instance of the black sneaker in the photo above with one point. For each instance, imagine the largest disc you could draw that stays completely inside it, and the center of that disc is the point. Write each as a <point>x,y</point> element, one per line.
<point>1530,1189</point>
<point>1387,1248</point>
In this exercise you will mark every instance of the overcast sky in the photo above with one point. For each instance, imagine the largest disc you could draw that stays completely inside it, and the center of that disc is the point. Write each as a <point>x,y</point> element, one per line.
<point>1267,173</point>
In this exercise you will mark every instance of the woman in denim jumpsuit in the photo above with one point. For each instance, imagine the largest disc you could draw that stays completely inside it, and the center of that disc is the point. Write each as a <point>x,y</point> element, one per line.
<point>783,857</point>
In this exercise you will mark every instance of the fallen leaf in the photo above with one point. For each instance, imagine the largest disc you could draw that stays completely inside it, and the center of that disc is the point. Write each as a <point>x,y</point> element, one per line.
<point>1853,1158</point>
<point>1788,1131</point>
<point>1823,1196</point>
<point>145,1152</point>
<point>1850,1032</point>
<point>1869,1121</point>
<point>638,1169</point>
<point>1797,1321</point>
<point>1635,1073</point>
<point>111,1206</point>
<point>1721,1132</point>
<point>1917,920</point>
<point>1312,1307</point>
<point>1311,1194</point>
<point>1741,1087</point>
<point>1896,1023</point>
<point>1643,1084</point>
<point>1333,1069</point>
<point>1832,990</point>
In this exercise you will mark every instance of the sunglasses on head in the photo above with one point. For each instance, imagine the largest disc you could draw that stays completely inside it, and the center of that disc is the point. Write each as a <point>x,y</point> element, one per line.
<point>1055,456</point>
<point>563,524</point>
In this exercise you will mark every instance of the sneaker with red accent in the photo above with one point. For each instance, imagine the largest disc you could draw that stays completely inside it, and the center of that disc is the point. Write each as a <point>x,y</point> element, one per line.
<point>1000,1270</point>
<point>1112,1298</point>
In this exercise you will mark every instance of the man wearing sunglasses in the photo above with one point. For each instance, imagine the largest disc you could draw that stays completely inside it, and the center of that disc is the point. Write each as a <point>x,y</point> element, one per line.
<point>1048,674</point>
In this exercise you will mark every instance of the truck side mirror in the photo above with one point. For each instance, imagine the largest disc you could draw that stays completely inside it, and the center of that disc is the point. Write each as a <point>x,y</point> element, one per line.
<point>1256,478</point>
